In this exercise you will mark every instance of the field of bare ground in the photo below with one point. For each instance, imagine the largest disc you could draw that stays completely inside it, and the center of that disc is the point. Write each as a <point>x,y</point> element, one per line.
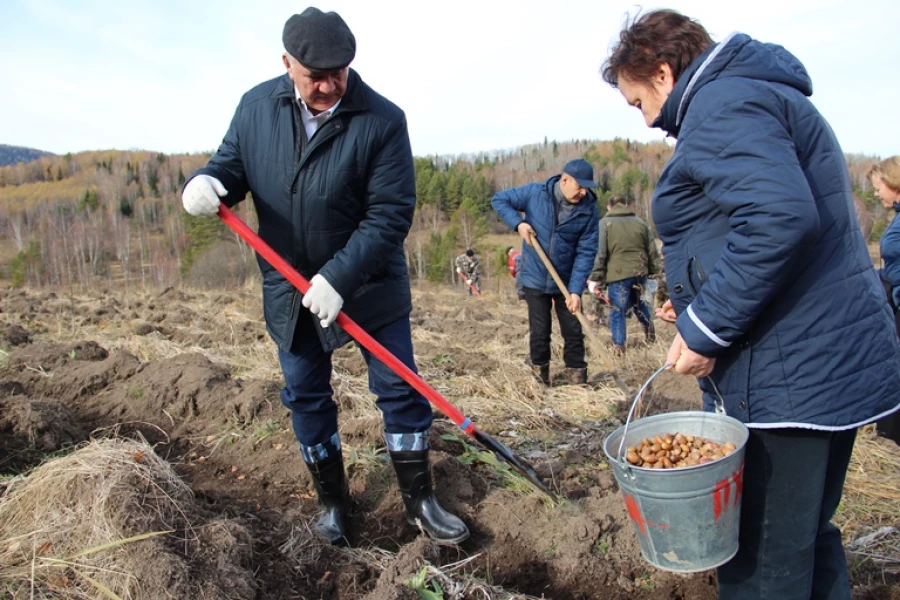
<point>145,454</point>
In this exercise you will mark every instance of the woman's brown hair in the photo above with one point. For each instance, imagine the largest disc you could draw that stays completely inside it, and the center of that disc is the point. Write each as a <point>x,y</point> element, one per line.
<point>659,36</point>
<point>889,171</point>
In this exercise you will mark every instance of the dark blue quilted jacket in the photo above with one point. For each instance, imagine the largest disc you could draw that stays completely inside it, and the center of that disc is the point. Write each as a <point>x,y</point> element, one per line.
<point>570,244</point>
<point>765,262</point>
<point>341,207</point>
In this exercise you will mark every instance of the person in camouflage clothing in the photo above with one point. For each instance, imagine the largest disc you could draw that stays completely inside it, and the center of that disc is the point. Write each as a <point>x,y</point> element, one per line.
<point>469,268</point>
<point>626,256</point>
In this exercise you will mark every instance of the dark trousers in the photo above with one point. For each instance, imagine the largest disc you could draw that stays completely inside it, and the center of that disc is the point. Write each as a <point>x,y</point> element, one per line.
<point>540,324</point>
<point>889,427</point>
<point>307,384</point>
<point>789,550</point>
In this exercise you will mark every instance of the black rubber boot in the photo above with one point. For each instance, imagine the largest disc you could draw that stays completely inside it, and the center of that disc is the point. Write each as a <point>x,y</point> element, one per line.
<point>334,497</point>
<point>422,507</point>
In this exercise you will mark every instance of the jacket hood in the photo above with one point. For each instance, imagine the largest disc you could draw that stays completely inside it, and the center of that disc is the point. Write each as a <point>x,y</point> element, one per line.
<point>738,55</point>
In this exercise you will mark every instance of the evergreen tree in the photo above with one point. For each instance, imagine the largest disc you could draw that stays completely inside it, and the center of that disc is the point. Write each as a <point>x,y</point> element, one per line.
<point>435,193</point>
<point>470,223</point>
<point>201,233</point>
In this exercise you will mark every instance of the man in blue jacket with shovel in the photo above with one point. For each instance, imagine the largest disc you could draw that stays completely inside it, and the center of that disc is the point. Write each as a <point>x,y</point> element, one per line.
<point>329,164</point>
<point>562,214</point>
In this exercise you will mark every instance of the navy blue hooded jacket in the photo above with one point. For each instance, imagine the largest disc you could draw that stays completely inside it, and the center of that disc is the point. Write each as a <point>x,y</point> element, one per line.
<point>765,262</point>
<point>571,244</point>
<point>341,205</point>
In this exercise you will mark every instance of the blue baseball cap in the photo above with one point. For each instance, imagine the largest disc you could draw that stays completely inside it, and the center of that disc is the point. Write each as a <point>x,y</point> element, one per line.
<point>581,171</point>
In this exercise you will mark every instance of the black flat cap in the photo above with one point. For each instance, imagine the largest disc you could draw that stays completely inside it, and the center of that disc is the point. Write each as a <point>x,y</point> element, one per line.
<point>320,41</point>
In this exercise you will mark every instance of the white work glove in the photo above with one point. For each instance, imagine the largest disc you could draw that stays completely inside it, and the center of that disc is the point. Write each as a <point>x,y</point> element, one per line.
<point>201,196</point>
<point>593,287</point>
<point>468,282</point>
<point>458,270</point>
<point>322,300</point>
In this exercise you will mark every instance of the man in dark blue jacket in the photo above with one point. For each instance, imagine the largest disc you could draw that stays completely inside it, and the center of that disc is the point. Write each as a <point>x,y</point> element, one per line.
<point>329,164</point>
<point>562,214</point>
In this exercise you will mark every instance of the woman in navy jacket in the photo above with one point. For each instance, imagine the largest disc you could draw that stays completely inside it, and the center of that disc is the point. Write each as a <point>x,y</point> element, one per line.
<point>885,178</point>
<point>773,292</point>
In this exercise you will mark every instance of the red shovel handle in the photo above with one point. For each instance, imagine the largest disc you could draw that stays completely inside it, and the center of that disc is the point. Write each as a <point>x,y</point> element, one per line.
<point>356,332</point>
<point>369,343</point>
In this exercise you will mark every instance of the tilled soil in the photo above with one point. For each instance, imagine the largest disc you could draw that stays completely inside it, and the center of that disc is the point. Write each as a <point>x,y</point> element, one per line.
<point>72,373</point>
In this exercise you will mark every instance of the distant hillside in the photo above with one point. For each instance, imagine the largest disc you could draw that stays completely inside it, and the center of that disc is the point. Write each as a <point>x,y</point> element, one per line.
<point>10,155</point>
<point>115,217</point>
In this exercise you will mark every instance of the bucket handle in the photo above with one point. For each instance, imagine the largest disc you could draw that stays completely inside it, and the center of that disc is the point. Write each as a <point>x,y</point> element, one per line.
<point>719,408</point>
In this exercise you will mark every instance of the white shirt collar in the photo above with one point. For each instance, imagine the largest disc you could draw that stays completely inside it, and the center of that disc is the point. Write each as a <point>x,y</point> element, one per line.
<point>312,122</point>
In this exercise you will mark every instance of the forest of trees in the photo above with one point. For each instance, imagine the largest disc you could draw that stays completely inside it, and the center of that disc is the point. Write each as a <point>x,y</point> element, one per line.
<point>115,217</point>
<point>10,155</point>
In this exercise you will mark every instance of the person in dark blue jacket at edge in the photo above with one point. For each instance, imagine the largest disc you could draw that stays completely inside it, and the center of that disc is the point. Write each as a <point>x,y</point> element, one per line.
<point>562,213</point>
<point>885,178</point>
<point>773,292</point>
<point>329,164</point>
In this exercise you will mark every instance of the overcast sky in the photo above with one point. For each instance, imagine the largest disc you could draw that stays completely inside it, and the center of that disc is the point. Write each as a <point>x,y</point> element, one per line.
<point>166,75</point>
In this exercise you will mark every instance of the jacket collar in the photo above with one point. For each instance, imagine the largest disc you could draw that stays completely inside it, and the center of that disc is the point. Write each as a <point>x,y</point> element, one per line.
<point>354,99</point>
<point>675,106</point>
<point>620,211</point>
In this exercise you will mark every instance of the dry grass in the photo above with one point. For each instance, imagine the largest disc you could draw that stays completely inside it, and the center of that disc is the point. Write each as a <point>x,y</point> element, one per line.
<point>257,360</point>
<point>869,515</point>
<point>443,582</point>
<point>303,545</point>
<point>79,526</point>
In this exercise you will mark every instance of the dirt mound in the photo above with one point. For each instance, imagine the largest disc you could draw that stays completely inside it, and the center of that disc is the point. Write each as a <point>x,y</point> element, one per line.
<point>113,518</point>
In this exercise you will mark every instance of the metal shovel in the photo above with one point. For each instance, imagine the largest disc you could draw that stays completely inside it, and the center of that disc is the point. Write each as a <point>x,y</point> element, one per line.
<point>369,343</point>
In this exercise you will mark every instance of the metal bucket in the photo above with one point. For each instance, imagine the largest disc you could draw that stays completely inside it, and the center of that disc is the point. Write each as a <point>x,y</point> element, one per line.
<point>686,519</point>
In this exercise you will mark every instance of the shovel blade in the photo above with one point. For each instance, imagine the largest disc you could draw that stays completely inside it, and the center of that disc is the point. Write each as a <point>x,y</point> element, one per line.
<point>518,464</point>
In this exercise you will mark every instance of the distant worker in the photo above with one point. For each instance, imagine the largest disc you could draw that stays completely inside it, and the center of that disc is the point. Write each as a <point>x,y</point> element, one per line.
<point>595,305</point>
<point>562,214</point>
<point>469,269</point>
<point>885,178</point>
<point>513,263</point>
<point>626,256</point>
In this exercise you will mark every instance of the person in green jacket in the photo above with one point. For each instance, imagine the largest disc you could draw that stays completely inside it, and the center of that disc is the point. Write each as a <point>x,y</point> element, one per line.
<point>627,255</point>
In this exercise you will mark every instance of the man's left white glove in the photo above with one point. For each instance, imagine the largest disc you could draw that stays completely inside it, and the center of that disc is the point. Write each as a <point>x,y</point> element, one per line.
<point>593,287</point>
<point>323,300</point>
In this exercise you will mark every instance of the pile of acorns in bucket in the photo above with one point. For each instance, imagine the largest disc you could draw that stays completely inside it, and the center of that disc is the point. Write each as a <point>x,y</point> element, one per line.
<point>676,451</point>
